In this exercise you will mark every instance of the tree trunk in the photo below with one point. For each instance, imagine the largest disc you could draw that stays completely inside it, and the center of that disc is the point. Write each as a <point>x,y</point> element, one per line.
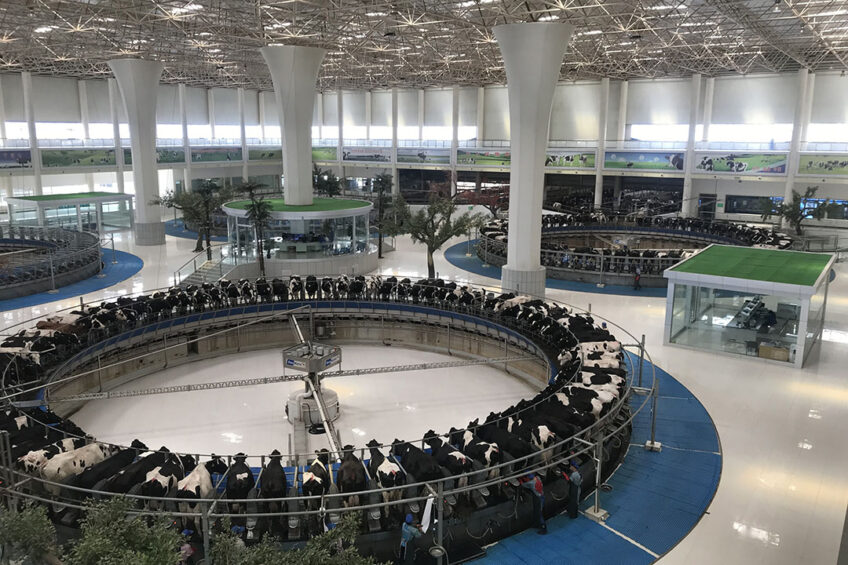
<point>431,268</point>
<point>198,247</point>
<point>380,244</point>
<point>261,255</point>
<point>208,245</point>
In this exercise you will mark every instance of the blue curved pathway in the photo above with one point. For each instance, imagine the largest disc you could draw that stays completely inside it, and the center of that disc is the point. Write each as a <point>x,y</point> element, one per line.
<point>455,255</point>
<point>656,498</point>
<point>127,265</point>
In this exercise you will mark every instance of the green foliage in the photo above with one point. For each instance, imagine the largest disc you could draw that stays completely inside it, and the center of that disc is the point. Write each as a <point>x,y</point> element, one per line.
<point>325,181</point>
<point>111,537</point>
<point>198,207</point>
<point>259,215</point>
<point>382,185</point>
<point>29,530</point>
<point>794,213</point>
<point>332,548</point>
<point>435,224</point>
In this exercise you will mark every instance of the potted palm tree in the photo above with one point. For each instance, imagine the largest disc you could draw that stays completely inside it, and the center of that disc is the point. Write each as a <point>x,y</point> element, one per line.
<point>259,215</point>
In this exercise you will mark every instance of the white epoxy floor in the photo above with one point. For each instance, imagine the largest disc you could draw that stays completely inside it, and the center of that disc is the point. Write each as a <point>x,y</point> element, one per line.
<point>784,489</point>
<point>252,420</point>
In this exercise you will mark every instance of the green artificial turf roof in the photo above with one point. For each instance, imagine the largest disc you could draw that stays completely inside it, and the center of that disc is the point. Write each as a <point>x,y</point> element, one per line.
<point>750,263</point>
<point>318,205</point>
<point>75,195</point>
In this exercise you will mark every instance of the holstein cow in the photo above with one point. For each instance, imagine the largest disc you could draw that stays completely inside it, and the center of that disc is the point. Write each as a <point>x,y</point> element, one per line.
<point>387,473</point>
<point>274,483</point>
<point>489,454</point>
<point>448,457</point>
<point>240,480</point>
<point>198,485</point>
<point>136,472</point>
<point>161,479</point>
<point>65,465</point>
<point>93,474</point>
<point>506,441</point>
<point>36,459</point>
<point>420,465</point>
<point>351,477</point>
<point>316,480</point>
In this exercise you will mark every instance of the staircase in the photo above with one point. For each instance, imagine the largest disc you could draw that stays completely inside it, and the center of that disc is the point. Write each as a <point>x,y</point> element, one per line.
<point>200,269</point>
<point>210,271</point>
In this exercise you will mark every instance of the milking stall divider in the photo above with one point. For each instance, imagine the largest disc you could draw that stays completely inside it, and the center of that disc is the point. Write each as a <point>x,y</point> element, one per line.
<point>475,336</point>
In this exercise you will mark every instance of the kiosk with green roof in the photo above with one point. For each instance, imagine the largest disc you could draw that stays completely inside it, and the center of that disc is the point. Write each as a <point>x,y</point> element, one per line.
<point>748,301</point>
<point>329,236</point>
<point>98,211</point>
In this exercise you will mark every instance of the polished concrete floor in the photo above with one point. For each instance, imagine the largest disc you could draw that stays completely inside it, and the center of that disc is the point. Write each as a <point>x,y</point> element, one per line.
<point>784,489</point>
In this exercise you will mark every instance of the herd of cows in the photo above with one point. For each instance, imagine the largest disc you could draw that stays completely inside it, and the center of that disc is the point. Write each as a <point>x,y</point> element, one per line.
<point>588,390</point>
<point>623,260</point>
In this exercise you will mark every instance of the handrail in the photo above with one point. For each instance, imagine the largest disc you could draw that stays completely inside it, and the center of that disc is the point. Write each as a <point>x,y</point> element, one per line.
<point>217,250</point>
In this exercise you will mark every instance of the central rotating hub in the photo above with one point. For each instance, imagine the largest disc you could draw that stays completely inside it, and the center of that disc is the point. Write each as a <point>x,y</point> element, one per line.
<point>316,407</point>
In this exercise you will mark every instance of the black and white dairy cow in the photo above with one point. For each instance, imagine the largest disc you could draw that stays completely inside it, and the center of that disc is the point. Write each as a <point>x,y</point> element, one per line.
<point>316,479</point>
<point>34,460</point>
<point>197,485</point>
<point>136,472</point>
<point>274,482</point>
<point>161,479</point>
<point>351,477</point>
<point>487,453</point>
<point>240,480</point>
<point>106,468</point>
<point>449,457</point>
<point>387,473</point>
<point>417,463</point>
<point>64,465</point>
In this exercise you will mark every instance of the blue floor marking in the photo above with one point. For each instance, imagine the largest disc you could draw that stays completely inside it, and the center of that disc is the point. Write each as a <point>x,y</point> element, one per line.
<point>128,265</point>
<point>455,255</point>
<point>656,499</point>
<point>175,228</point>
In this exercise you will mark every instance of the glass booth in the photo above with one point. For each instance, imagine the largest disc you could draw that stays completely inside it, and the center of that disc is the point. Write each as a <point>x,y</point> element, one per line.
<point>744,301</point>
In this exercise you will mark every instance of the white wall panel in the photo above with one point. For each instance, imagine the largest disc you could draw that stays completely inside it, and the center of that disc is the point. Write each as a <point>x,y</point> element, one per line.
<point>381,108</point>
<point>438,104</point>
<point>197,108</point>
<point>55,99</point>
<point>226,106</point>
<point>830,100</point>
<point>316,109</point>
<point>407,108</point>
<point>467,107</point>
<point>496,113</point>
<point>271,116</point>
<point>575,110</point>
<point>755,100</point>
<point>13,97</point>
<point>331,109</point>
<point>97,94</point>
<point>251,108</point>
<point>167,104</point>
<point>658,102</point>
<point>353,107</point>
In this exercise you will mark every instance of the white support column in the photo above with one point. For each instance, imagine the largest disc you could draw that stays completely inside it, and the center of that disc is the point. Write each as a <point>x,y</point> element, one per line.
<point>454,136</point>
<point>83,108</point>
<point>808,110</point>
<point>602,143</point>
<point>116,134</point>
<point>420,115</point>
<point>795,144</point>
<point>138,81</point>
<point>532,54</point>
<point>2,115</point>
<point>89,181</point>
<point>340,148</point>
<point>481,115</point>
<point>262,114</point>
<point>181,98</point>
<point>29,115</point>
<point>709,92</point>
<point>243,135</point>
<point>210,110</point>
<point>688,204</point>
<point>320,100</point>
<point>368,114</point>
<point>622,114</point>
<point>395,180</point>
<point>294,71</point>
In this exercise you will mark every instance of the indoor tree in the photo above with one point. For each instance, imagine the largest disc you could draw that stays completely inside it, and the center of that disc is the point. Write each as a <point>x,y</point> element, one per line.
<point>259,215</point>
<point>198,207</point>
<point>30,532</point>
<point>794,213</point>
<point>382,185</point>
<point>325,181</point>
<point>494,200</point>
<point>434,225</point>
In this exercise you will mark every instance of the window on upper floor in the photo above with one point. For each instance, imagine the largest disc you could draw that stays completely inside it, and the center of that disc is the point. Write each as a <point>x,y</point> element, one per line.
<point>467,132</point>
<point>100,131</point>
<point>58,130</point>
<point>407,132</point>
<point>438,133</point>
<point>659,132</point>
<point>381,132</point>
<point>169,131</point>
<point>17,130</point>
<point>828,133</point>
<point>355,132</point>
<point>751,133</point>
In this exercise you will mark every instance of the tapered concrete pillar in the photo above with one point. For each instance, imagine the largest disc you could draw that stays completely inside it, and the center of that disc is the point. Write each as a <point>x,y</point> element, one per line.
<point>294,71</point>
<point>138,82</point>
<point>532,54</point>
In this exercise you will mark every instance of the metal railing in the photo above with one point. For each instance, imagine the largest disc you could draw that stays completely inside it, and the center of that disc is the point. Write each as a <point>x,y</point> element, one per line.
<point>212,263</point>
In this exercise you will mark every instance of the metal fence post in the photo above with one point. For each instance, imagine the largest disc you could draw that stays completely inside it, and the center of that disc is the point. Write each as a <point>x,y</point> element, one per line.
<point>440,504</point>
<point>596,513</point>
<point>52,275</point>
<point>204,524</point>
<point>652,444</point>
<point>641,357</point>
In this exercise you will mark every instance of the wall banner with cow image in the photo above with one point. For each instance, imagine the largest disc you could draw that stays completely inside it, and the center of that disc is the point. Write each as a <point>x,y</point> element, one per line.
<point>823,164</point>
<point>644,160</point>
<point>367,154</point>
<point>264,154</point>
<point>15,159</point>
<point>569,159</point>
<point>741,163</point>
<point>78,157</point>
<point>423,155</point>
<point>163,155</point>
<point>484,157</point>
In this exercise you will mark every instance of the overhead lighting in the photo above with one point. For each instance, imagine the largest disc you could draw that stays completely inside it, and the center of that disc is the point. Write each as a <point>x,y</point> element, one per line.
<point>376,14</point>
<point>214,50</point>
<point>548,18</point>
<point>188,8</point>
<point>43,29</point>
<point>591,32</point>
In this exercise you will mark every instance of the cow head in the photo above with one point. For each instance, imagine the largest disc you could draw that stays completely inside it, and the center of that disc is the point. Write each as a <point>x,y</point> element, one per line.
<point>399,448</point>
<point>138,445</point>
<point>216,465</point>
<point>543,436</point>
<point>374,447</point>
<point>455,436</point>
<point>323,456</point>
<point>432,439</point>
<point>240,458</point>
<point>275,456</point>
